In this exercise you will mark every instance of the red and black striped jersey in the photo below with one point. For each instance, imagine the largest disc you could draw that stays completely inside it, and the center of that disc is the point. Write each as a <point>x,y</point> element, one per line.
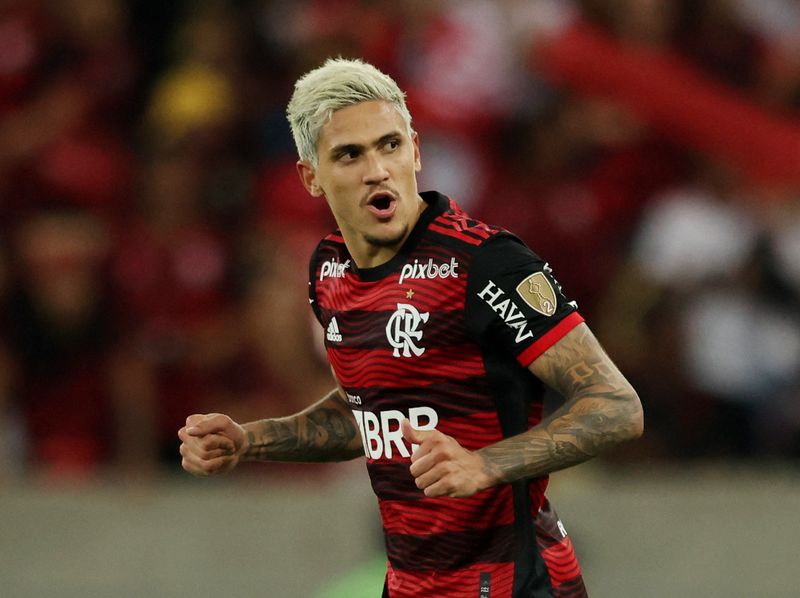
<point>442,334</point>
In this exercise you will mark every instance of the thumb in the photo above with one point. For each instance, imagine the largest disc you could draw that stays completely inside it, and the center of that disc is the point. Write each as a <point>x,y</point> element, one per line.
<point>211,423</point>
<point>193,420</point>
<point>411,434</point>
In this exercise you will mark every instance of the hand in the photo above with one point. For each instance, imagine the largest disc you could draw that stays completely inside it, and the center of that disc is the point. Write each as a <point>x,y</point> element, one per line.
<point>442,467</point>
<point>211,444</point>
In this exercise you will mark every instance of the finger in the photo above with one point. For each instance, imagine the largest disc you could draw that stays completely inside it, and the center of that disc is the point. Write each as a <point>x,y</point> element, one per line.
<point>437,448</point>
<point>202,452</point>
<point>414,436</point>
<point>206,467</point>
<point>194,419</point>
<point>420,463</point>
<point>207,442</point>
<point>432,476</point>
<point>440,481</point>
<point>190,461</point>
<point>409,433</point>
<point>199,458</point>
<point>211,442</point>
<point>216,453</point>
<point>211,423</point>
<point>440,488</point>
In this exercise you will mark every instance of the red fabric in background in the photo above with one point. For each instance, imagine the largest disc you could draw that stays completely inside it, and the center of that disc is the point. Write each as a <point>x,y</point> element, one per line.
<point>675,98</point>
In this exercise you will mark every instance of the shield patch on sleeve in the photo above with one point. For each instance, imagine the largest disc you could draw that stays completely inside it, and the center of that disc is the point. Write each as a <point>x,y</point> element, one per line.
<point>538,293</point>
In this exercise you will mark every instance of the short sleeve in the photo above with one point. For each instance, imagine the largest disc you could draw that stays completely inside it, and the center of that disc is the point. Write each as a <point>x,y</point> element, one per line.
<point>514,300</point>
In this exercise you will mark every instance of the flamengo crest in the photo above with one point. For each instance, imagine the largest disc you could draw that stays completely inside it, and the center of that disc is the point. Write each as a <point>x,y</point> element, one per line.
<point>403,332</point>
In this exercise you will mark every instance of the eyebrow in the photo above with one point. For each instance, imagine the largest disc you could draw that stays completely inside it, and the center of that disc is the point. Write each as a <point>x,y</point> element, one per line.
<point>343,148</point>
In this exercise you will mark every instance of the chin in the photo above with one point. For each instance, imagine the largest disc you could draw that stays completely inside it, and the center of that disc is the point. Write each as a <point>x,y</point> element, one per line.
<point>388,239</point>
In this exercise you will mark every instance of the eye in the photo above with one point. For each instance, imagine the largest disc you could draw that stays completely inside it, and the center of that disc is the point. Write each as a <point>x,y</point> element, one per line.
<point>391,144</point>
<point>348,155</point>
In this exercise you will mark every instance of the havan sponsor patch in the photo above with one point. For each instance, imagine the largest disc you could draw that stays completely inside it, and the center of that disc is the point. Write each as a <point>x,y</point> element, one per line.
<point>512,315</point>
<point>538,293</point>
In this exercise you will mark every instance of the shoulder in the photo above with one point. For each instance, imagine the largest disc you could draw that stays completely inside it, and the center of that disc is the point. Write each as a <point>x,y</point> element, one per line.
<point>454,223</point>
<point>330,258</point>
<point>331,245</point>
<point>334,240</point>
<point>486,243</point>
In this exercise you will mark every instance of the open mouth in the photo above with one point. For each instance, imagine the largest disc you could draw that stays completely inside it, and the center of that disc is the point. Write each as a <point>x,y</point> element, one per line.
<point>382,204</point>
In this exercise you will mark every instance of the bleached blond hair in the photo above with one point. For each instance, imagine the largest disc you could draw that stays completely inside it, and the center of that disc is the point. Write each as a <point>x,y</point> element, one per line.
<point>337,84</point>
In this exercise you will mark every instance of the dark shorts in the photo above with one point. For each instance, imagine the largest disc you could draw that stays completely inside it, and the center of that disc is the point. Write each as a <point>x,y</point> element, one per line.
<point>555,550</point>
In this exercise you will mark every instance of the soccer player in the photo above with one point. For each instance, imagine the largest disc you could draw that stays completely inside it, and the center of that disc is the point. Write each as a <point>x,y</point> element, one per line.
<point>441,332</point>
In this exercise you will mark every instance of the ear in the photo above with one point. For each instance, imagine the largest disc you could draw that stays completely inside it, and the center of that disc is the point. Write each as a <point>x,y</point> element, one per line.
<point>308,176</point>
<point>417,159</point>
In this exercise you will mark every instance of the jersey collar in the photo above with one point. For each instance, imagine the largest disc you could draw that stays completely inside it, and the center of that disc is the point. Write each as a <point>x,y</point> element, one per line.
<point>437,204</point>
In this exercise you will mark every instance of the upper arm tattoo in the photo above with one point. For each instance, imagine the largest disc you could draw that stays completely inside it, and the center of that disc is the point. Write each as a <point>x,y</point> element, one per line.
<point>578,364</point>
<point>601,410</point>
<point>326,431</point>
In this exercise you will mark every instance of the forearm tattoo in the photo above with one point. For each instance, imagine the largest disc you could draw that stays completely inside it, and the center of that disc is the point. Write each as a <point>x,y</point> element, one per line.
<point>601,410</point>
<point>324,432</point>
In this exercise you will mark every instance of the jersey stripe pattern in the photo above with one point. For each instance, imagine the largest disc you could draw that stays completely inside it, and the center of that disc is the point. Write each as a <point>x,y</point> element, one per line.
<point>404,343</point>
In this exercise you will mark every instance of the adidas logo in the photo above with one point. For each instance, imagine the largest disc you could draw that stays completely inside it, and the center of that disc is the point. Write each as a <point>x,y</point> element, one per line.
<point>333,335</point>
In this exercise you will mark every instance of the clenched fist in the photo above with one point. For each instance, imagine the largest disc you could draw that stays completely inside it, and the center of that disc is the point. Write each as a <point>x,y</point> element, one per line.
<point>211,444</point>
<point>442,467</point>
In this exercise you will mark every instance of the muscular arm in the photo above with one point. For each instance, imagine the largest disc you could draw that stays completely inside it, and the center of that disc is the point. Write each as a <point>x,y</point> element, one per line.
<point>214,444</point>
<point>601,411</point>
<point>326,431</point>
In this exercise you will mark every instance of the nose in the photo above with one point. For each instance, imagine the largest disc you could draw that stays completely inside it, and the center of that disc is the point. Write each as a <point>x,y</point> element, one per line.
<point>376,171</point>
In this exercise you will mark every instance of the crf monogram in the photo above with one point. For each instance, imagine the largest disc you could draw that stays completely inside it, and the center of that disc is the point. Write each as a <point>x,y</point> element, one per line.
<point>402,330</point>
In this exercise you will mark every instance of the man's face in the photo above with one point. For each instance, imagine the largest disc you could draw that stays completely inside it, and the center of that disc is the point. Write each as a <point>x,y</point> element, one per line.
<point>367,173</point>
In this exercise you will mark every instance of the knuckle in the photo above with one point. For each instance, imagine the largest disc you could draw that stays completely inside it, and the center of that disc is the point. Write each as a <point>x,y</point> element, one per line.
<point>218,419</point>
<point>443,456</point>
<point>223,444</point>
<point>205,448</point>
<point>187,465</point>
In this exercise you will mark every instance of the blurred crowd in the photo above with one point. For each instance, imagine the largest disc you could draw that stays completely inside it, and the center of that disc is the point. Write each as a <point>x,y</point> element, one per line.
<point>155,237</point>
